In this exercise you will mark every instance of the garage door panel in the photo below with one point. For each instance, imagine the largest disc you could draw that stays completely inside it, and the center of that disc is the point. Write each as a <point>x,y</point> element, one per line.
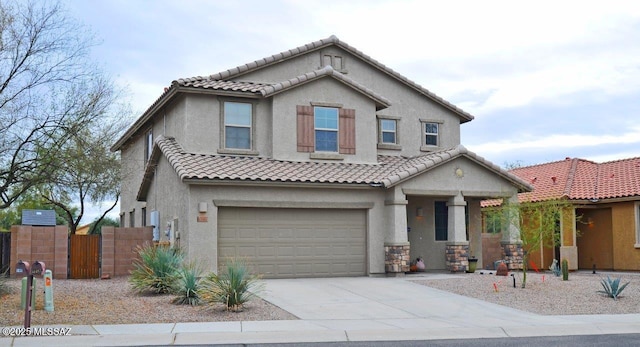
<point>295,242</point>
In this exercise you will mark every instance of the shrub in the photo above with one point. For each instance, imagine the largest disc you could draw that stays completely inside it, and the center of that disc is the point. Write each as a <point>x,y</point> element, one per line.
<point>612,288</point>
<point>187,285</point>
<point>232,287</point>
<point>5,287</point>
<point>156,270</point>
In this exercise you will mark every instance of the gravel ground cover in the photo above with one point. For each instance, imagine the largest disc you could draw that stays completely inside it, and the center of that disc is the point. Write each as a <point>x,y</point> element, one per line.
<point>551,296</point>
<point>113,302</point>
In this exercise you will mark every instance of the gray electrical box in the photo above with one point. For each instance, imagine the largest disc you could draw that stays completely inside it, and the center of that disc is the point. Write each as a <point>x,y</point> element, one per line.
<point>39,217</point>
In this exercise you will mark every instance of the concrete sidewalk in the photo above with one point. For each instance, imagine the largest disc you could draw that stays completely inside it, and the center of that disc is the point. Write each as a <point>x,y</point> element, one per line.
<point>350,309</point>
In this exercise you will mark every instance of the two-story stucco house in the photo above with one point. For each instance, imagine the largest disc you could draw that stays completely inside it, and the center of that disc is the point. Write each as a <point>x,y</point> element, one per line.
<point>317,161</point>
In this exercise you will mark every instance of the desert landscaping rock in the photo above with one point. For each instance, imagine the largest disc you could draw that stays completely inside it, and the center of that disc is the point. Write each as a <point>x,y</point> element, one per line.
<point>553,296</point>
<point>79,302</point>
<point>112,302</point>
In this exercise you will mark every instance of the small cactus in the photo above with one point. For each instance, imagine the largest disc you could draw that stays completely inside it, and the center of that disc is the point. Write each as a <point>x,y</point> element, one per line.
<point>565,270</point>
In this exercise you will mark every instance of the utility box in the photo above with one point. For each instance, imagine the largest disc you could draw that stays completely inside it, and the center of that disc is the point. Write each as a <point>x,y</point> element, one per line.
<point>48,291</point>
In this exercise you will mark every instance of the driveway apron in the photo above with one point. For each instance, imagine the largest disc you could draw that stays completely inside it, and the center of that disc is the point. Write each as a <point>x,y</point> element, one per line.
<point>390,299</point>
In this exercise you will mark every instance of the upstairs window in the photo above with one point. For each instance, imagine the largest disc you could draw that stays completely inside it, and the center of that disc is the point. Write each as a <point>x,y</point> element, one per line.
<point>237,125</point>
<point>326,128</point>
<point>148,146</point>
<point>388,132</point>
<point>431,134</point>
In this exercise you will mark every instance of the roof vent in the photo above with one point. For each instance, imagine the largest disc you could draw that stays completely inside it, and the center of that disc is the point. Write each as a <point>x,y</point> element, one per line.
<point>554,178</point>
<point>533,180</point>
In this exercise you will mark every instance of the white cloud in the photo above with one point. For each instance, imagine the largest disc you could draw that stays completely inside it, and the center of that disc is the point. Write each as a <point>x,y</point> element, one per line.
<point>558,141</point>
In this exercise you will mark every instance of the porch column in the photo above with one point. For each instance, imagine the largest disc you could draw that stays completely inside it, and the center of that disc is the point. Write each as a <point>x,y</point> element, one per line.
<point>457,249</point>
<point>511,242</point>
<point>396,243</point>
<point>568,247</point>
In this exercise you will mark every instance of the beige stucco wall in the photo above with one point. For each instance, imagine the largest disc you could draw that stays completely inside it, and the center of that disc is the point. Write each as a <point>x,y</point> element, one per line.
<point>325,90</point>
<point>406,103</point>
<point>440,184</point>
<point>202,240</point>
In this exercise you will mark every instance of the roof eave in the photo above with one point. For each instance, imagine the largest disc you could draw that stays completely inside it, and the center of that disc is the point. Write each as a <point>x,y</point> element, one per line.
<point>262,183</point>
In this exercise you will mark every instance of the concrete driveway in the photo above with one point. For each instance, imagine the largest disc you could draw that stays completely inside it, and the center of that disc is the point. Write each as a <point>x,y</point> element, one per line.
<point>394,302</point>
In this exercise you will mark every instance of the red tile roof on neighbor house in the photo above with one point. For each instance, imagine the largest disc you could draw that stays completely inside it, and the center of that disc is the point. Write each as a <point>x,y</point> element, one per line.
<point>389,171</point>
<point>580,179</point>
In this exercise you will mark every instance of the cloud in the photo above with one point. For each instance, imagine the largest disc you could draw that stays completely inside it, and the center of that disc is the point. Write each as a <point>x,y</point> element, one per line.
<point>559,142</point>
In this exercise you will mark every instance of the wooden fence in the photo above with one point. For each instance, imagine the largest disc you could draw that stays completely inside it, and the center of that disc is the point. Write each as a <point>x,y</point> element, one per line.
<point>84,256</point>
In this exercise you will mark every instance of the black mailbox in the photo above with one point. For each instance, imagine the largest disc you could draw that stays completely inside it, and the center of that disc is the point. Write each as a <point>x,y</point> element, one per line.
<point>37,268</point>
<point>22,267</point>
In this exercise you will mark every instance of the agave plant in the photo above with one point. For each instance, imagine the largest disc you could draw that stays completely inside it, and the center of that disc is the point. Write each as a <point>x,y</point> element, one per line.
<point>233,286</point>
<point>186,286</point>
<point>156,270</point>
<point>612,288</point>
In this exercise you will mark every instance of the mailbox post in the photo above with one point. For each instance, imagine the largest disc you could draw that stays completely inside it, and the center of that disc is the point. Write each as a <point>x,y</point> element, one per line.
<point>23,267</point>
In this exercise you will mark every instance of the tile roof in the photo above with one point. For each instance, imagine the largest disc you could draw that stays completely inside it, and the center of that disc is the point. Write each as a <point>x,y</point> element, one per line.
<point>266,89</point>
<point>389,170</point>
<point>579,179</point>
<point>221,82</point>
<point>333,40</point>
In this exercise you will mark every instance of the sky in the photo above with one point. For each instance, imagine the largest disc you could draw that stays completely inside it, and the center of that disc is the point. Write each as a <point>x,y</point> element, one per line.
<point>545,80</point>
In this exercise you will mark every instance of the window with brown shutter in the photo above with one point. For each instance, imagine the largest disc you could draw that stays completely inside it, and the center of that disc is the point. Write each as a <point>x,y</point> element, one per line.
<point>306,140</point>
<point>347,131</point>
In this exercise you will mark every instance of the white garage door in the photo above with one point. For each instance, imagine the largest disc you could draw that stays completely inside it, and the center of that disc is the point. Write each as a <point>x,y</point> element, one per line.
<point>288,243</point>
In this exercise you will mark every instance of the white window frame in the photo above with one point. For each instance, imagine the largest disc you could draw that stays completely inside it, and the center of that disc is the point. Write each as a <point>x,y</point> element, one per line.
<point>336,130</point>
<point>383,131</point>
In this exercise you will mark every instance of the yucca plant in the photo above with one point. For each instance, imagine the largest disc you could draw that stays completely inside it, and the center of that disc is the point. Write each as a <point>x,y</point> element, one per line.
<point>612,288</point>
<point>156,270</point>
<point>186,286</point>
<point>233,286</point>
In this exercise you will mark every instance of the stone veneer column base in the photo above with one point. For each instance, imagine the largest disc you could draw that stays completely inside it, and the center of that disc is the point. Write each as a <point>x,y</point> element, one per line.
<point>457,256</point>
<point>512,255</point>
<point>396,258</point>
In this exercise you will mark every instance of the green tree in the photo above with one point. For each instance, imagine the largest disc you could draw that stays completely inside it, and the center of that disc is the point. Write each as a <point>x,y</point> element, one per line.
<point>538,223</point>
<point>49,91</point>
<point>31,200</point>
<point>97,224</point>
<point>86,171</point>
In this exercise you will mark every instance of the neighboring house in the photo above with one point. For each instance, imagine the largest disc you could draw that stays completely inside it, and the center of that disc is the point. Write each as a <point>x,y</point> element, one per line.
<point>605,198</point>
<point>317,161</point>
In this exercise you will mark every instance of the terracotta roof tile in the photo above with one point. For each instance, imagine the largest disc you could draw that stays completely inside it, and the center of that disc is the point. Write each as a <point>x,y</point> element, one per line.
<point>580,179</point>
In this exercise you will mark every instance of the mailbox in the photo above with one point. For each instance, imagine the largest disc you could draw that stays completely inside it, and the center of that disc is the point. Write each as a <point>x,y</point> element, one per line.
<point>22,267</point>
<point>38,268</point>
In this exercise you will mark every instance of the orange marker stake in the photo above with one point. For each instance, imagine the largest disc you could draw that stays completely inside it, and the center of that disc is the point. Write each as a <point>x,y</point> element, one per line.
<point>542,278</point>
<point>495,287</point>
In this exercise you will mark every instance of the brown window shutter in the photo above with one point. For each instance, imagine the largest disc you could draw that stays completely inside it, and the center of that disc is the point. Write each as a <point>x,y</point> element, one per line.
<point>306,136</point>
<point>347,131</point>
